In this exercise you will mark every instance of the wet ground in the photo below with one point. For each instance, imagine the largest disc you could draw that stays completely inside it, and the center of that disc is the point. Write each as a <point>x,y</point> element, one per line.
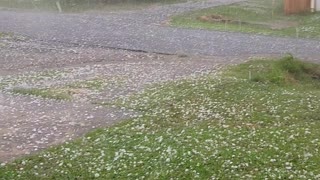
<point>30,123</point>
<point>122,53</point>
<point>147,30</point>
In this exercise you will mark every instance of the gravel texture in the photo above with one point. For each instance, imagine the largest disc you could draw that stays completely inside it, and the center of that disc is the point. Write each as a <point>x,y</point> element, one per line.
<point>144,30</point>
<point>29,123</point>
<point>54,51</point>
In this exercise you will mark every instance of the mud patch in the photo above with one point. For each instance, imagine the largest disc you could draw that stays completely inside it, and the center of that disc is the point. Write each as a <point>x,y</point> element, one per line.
<point>275,25</point>
<point>214,18</point>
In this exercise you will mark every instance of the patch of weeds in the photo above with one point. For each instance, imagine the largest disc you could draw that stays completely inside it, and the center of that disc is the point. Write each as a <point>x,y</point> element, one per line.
<point>12,36</point>
<point>57,90</point>
<point>225,127</point>
<point>2,85</point>
<point>3,34</point>
<point>286,71</point>
<point>44,93</point>
<point>299,70</point>
<point>33,80</point>
<point>92,84</point>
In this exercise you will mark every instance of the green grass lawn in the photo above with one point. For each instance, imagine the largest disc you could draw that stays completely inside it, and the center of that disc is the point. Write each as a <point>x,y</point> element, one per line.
<point>84,5</point>
<point>254,16</point>
<point>257,120</point>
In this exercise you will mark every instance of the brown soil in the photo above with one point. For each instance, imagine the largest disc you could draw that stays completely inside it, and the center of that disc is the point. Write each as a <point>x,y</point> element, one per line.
<point>276,25</point>
<point>215,18</point>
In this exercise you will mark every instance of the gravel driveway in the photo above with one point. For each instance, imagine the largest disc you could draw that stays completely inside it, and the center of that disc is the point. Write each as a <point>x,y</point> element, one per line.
<point>144,30</point>
<point>58,50</point>
<point>29,124</point>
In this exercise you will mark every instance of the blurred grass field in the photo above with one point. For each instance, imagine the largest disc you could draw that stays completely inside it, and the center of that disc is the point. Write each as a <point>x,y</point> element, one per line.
<point>254,16</point>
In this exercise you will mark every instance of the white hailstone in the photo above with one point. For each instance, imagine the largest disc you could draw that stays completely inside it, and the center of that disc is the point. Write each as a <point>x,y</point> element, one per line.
<point>273,160</point>
<point>160,139</point>
<point>288,166</point>
<point>317,176</point>
<point>307,155</point>
<point>96,175</point>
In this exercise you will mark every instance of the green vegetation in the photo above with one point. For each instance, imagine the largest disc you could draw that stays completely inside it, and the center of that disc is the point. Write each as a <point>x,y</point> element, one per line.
<point>6,34</point>
<point>92,84</point>
<point>83,5</point>
<point>54,84</point>
<point>10,36</point>
<point>30,78</point>
<point>61,92</point>
<point>256,120</point>
<point>288,71</point>
<point>253,16</point>
<point>44,93</point>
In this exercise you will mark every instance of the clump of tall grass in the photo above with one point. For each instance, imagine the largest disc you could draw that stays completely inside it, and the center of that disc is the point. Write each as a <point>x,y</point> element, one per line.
<point>285,71</point>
